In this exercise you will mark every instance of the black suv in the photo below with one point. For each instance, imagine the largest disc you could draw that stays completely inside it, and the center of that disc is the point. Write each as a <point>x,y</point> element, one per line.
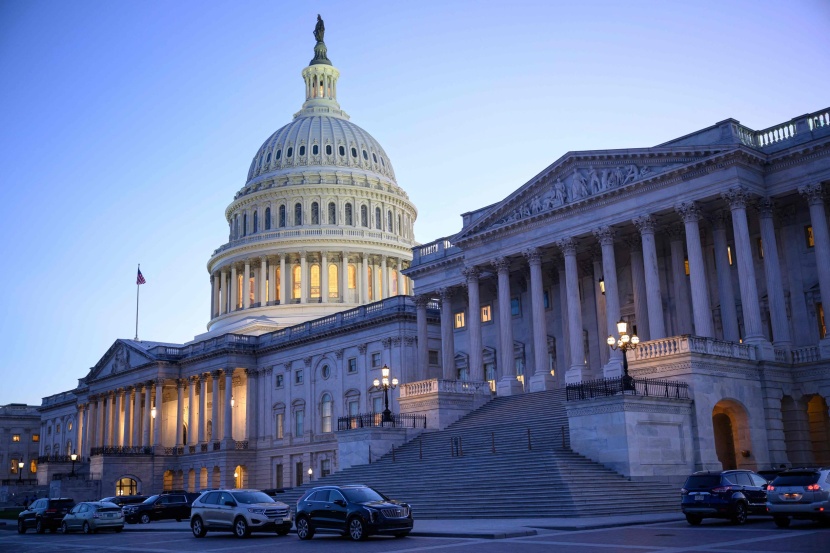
<point>159,507</point>
<point>124,500</point>
<point>44,514</point>
<point>356,511</point>
<point>729,494</point>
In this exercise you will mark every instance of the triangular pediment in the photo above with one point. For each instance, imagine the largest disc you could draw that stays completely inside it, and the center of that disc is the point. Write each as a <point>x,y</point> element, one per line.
<point>579,177</point>
<point>119,358</point>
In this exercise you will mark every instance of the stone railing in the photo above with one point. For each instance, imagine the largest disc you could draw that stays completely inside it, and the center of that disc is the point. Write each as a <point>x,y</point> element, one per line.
<point>375,420</point>
<point>121,451</point>
<point>645,387</point>
<point>789,131</point>
<point>434,250</point>
<point>424,387</point>
<point>809,354</point>
<point>674,345</point>
<point>337,232</point>
<point>57,459</point>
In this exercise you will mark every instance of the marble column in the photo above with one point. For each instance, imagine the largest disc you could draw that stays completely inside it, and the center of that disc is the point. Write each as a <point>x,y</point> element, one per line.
<point>180,384</point>
<point>654,298</point>
<point>447,335</point>
<point>471,274</point>
<point>223,292</point>
<point>203,392</point>
<point>384,278</point>
<point>227,434</point>
<point>814,194</point>
<point>737,199</point>
<point>246,285</point>
<point>214,298</point>
<point>112,432</point>
<point>192,433</point>
<point>638,286</point>
<point>508,384</point>
<point>682,307</point>
<point>304,281</point>
<point>364,280</point>
<point>594,270</point>
<point>772,271</point>
<point>324,277</point>
<point>565,346</point>
<point>605,236</point>
<point>423,337</point>
<point>92,420</point>
<point>263,280</point>
<point>157,420</point>
<point>100,429</point>
<point>272,282</point>
<point>145,433</point>
<point>250,406</point>
<point>127,421</point>
<point>118,419</point>
<point>215,401</point>
<point>344,277</point>
<point>577,367</point>
<point>136,414</point>
<point>690,214</point>
<point>793,238</point>
<point>79,431</point>
<point>726,293</point>
<point>541,379</point>
<point>234,289</point>
<point>284,295</point>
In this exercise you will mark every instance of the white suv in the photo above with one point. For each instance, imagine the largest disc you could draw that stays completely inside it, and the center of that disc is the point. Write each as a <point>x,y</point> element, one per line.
<point>801,494</point>
<point>239,511</point>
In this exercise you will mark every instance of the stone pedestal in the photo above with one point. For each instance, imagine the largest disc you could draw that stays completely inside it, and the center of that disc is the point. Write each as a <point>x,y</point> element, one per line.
<point>509,386</point>
<point>443,401</point>
<point>365,445</point>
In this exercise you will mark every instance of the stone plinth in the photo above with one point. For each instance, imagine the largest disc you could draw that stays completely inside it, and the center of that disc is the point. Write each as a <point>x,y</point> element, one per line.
<point>365,445</point>
<point>443,401</point>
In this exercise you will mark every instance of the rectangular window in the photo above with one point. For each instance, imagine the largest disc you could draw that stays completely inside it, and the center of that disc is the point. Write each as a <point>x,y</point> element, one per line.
<point>325,467</point>
<point>808,236</point>
<point>459,320</point>
<point>376,360</point>
<point>280,426</point>
<point>352,364</point>
<point>686,265</point>
<point>760,248</point>
<point>354,407</point>
<point>546,299</point>
<point>35,437</point>
<point>279,381</point>
<point>490,375</point>
<point>377,404</point>
<point>15,437</point>
<point>822,325</point>
<point>515,307</point>
<point>352,277</point>
<point>486,313</point>
<point>280,483</point>
<point>298,376</point>
<point>14,466</point>
<point>299,423</point>
<point>433,357</point>
<point>729,254</point>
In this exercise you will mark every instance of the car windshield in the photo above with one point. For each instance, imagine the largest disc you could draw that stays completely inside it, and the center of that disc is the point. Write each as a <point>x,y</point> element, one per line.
<point>362,495</point>
<point>796,479</point>
<point>252,497</point>
<point>151,499</point>
<point>698,481</point>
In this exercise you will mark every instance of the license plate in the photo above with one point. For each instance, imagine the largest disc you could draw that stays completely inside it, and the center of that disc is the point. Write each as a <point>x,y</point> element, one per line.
<point>792,496</point>
<point>698,498</point>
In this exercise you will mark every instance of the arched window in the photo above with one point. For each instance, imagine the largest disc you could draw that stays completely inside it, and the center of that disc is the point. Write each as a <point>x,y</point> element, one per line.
<point>268,158</point>
<point>341,150</point>
<point>244,224</point>
<point>236,226</point>
<point>389,222</point>
<point>282,216</point>
<point>298,214</point>
<point>267,218</point>
<point>289,152</point>
<point>364,216</point>
<point>328,149</point>
<point>399,224</point>
<point>349,220</point>
<point>327,408</point>
<point>297,283</point>
<point>256,221</point>
<point>332,213</point>
<point>334,289</point>
<point>315,213</point>
<point>279,154</point>
<point>352,277</point>
<point>394,284</point>
<point>301,151</point>
<point>378,220</point>
<point>315,149</point>
<point>354,151</point>
<point>315,281</point>
<point>369,280</point>
<point>126,486</point>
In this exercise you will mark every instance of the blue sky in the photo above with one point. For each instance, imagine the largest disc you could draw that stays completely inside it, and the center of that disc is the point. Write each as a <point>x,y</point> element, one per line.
<point>126,127</point>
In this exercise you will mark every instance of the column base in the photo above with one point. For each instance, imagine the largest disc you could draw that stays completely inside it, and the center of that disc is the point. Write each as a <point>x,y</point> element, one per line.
<point>613,369</point>
<point>228,444</point>
<point>824,348</point>
<point>763,349</point>
<point>509,386</point>
<point>540,382</point>
<point>575,374</point>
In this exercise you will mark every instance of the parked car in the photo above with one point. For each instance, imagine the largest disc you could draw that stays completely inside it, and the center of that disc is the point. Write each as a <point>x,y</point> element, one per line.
<point>729,494</point>
<point>122,500</point>
<point>159,507</point>
<point>239,511</point>
<point>44,514</point>
<point>356,511</point>
<point>91,516</point>
<point>801,494</point>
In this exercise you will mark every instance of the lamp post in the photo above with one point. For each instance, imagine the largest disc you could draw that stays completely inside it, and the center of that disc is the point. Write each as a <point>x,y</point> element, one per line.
<point>624,343</point>
<point>385,384</point>
<point>20,470</point>
<point>74,458</point>
<point>310,473</point>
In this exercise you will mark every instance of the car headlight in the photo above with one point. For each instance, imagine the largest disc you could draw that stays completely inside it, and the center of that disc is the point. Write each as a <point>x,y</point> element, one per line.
<point>372,513</point>
<point>256,511</point>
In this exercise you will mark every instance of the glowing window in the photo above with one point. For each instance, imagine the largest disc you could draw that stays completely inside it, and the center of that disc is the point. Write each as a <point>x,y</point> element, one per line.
<point>15,437</point>
<point>459,320</point>
<point>808,236</point>
<point>822,325</point>
<point>297,285</point>
<point>280,426</point>
<point>333,288</point>
<point>486,313</point>
<point>315,281</point>
<point>35,437</point>
<point>352,277</point>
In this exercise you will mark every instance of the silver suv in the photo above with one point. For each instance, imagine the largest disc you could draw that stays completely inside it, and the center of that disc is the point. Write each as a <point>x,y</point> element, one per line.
<point>801,494</point>
<point>239,511</point>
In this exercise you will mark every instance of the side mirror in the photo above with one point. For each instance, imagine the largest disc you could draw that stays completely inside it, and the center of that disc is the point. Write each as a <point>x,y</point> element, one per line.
<point>340,502</point>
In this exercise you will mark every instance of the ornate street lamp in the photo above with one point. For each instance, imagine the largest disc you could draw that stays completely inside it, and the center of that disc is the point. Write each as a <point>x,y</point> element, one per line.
<point>310,473</point>
<point>384,383</point>
<point>20,470</point>
<point>74,457</point>
<point>624,343</point>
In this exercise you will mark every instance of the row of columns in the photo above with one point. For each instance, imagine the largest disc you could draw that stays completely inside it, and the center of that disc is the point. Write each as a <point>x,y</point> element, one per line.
<point>224,288</point>
<point>648,301</point>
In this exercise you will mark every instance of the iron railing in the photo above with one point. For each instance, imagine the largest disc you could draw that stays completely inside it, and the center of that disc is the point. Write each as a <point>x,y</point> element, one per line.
<point>647,387</point>
<point>121,451</point>
<point>372,420</point>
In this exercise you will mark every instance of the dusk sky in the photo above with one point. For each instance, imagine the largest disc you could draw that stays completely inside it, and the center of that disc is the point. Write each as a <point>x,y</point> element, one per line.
<point>128,126</point>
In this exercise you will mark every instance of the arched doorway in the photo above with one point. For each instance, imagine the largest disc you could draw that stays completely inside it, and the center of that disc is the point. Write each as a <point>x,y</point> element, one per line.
<point>239,476</point>
<point>819,429</point>
<point>167,480</point>
<point>730,425</point>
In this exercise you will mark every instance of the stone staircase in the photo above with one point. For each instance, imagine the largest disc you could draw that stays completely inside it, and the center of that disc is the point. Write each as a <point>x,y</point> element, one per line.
<point>509,458</point>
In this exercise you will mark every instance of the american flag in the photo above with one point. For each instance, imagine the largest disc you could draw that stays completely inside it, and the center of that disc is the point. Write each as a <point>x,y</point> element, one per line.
<point>139,279</point>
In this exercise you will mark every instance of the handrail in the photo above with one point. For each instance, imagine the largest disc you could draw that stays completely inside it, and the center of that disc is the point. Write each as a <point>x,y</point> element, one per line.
<point>646,387</point>
<point>375,420</point>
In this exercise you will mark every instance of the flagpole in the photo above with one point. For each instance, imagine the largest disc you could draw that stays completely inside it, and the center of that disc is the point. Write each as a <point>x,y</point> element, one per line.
<point>137,288</point>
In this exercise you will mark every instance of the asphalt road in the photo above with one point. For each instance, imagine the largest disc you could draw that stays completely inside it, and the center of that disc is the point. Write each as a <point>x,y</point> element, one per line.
<point>757,536</point>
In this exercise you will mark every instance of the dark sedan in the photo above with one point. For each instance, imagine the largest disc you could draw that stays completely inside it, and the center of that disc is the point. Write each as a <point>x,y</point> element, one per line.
<point>355,511</point>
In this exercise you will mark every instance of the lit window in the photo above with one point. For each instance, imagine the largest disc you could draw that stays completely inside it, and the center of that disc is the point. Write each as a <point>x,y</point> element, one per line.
<point>352,364</point>
<point>15,437</point>
<point>729,254</point>
<point>760,248</point>
<point>280,426</point>
<point>515,307</point>
<point>486,313</point>
<point>13,466</point>
<point>459,320</point>
<point>298,282</point>
<point>334,291</point>
<point>376,360</point>
<point>35,437</point>
<point>808,235</point>
<point>822,325</point>
<point>315,281</point>
<point>686,266</point>
<point>33,466</point>
<point>326,409</point>
<point>490,375</point>
<point>298,376</point>
<point>352,277</point>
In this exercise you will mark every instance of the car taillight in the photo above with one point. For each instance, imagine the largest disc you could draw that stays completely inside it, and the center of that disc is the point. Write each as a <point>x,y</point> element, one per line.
<point>51,510</point>
<point>770,488</point>
<point>722,489</point>
<point>683,491</point>
<point>812,488</point>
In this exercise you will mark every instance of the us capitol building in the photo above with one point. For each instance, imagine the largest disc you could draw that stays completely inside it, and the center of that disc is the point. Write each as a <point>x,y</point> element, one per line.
<point>712,247</point>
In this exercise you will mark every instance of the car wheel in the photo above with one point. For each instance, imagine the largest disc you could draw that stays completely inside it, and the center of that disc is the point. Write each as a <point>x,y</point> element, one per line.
<point>739,516</point>
<point>781,522</point>
<point>304,529</point>
<point>401,534</point>
<point>694,520</point>
<point>198,527</point>
<point>64,528</point>
<point>240,528</point>
<point>39,527</point>
<point>145,519</point>
<point>87,529</point>
<point>357,530</point>
<point>21,527</point>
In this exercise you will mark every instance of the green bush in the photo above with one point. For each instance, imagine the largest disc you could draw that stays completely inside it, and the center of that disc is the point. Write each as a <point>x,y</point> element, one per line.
<point>10,513</point>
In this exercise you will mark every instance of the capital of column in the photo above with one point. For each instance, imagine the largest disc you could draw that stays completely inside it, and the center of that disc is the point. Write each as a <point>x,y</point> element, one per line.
<point>338,353</point>
<point>689,212</point>
<point>675,232</point>
<point>251,373</point>
<point>720,220</point>
<point>204,377</point>
<point>645,224</point>
<point>181,383</point>
<point>445,294</point>
<point>120,391</point>
<point>633,242</point>
<point>567,245</point>
<point>765,208</point>
<point>501,264</point>
<point>533,256</point>
<point>813,193</point>
<point>422,300</point>
<point>737,197</point>
<point>471,273</point>
<point>216,375</point>
<point>361,349</point>
<point>604,235</point>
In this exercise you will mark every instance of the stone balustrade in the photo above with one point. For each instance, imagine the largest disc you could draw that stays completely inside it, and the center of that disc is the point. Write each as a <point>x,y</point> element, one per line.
<point>424,387</point>
<point>784,132</point>
<point>809,354</point>
<point>687,343</point>
<point>434,250</point>
<point>317,233</point>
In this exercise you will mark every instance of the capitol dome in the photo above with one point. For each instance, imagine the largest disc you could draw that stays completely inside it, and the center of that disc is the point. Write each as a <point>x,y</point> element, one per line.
<point>320,225</point>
